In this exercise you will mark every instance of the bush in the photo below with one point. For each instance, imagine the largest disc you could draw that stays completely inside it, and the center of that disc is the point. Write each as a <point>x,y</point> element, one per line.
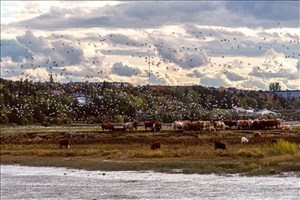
<point>283,147</point>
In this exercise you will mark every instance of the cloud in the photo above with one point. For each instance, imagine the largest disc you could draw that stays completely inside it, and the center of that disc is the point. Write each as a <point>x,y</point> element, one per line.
<point>232,76</point>
<point>276,65</point>
<point>256,84</point>
<point>155,14</point>
<point>186,56</point>
<point>125,70</point>
<point>60,50</point>
<point>215,81</point>
<point>231,40</point>
<point>196,74</point>
<point>14,50</point>
<point>266,10</point>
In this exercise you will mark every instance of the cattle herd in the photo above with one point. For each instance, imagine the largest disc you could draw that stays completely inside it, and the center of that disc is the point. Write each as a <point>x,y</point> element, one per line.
<point>187,125</point>
<point>229,124</point>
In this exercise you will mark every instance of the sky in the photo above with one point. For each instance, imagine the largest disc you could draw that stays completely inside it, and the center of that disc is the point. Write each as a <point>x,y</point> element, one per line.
<point>241,44</point>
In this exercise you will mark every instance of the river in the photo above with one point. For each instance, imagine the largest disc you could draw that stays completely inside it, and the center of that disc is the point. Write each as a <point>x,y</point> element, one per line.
<point>22,182</point>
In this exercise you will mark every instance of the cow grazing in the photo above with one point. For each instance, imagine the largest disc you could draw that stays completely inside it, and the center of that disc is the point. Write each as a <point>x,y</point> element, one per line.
<point>286,127</point>
<point>244,124</point>
<point>177,125</point>
<point>155,145</point>
<point>244,140</point>
<point>257,134</point>
<point>205,125</point>
<point>219,125</point>
<point>230,123</point>
<point>129,126</point>
<point>153,125</point>
<point>196,125</point>
<point>108,126</point>
<point>64,143</point>
<point>219,145</point>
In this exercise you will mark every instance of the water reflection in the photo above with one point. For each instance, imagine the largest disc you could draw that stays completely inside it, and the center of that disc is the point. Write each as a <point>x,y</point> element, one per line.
<point>20,182</point>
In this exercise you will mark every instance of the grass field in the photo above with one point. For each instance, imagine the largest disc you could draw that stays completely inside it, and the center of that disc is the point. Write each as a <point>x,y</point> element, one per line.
<point>185,152</point>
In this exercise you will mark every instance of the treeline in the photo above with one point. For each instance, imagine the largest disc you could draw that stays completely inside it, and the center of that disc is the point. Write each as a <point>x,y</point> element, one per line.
<point>26,102</point>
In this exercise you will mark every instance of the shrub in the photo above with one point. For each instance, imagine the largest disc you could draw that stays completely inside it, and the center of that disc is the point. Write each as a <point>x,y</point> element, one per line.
<point>283,147</point>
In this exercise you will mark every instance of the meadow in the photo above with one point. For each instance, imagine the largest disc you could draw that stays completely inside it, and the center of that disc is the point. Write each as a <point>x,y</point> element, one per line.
<point>180,152</point>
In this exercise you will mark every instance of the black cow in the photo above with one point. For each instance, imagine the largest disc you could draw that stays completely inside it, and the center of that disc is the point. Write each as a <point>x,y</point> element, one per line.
<point>64,143</point>
<point>155,145</point>
<point>219,145</point>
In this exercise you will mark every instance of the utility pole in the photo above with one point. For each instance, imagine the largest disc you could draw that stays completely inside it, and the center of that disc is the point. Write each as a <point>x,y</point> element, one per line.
<point>149,69</point>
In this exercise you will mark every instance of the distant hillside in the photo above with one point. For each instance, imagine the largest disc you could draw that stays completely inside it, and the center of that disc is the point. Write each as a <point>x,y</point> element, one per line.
<point>27,102</point>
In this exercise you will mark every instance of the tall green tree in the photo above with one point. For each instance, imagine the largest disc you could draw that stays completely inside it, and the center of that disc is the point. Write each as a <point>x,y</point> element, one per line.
<point>275,86</point>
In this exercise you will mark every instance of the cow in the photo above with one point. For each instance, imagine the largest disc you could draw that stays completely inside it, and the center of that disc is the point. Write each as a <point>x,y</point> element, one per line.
<point>177,125</point>
<point>270,123</point>
<point>108,126</point>
<point>155,145</point>
<point>286,127</point>
<point>244,140</point>
<point>230,123</point>
<point>219,145</point>
<point>244,124</point>
<point>205,125</point>
<point>187,125</point>
<point>153,125</point>
<point>64,143</point>
<point>257,134</point>
<point>130,125</point>
<point>219,125</point>
<point>196,125</point>
<point>256,124</point>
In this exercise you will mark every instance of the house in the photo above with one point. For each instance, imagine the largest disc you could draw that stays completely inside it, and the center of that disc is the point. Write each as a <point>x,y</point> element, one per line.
<point>288,94</point>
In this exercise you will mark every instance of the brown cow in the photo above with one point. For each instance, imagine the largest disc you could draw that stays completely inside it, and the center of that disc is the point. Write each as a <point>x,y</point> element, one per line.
<point>155,145</point>
<point>219,125</point>
<point>205,125</point>
<point>196,125</point>
<point>153,125</point>
<point>108,126</point>
<point>243,124</point>
<point>230,123</point>
<point>64,143</point>
<point>257,134</point>
<point>286,127</point>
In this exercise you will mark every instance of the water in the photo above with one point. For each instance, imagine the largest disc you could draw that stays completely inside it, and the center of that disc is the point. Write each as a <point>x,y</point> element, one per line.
<point>21,182</point>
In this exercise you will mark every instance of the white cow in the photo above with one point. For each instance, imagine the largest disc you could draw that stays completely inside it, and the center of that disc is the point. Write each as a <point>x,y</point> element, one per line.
<point>244,140</point>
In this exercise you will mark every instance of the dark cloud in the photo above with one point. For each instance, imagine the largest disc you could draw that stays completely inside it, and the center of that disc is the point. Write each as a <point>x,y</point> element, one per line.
<point>143,14</point>
<point>14,50</point>
<point>59,50</point>
<point>266,10</point>
<point>184,56</point>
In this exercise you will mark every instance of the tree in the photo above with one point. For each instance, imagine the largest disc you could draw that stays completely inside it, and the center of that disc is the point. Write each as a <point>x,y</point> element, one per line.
<point>274,86</point>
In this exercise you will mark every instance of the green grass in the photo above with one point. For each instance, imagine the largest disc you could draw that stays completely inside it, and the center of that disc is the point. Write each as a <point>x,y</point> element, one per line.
<point>186,152</point>
<point>283,147</point>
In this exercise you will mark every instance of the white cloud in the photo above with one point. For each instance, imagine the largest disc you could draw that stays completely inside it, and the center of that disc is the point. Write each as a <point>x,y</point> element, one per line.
<point>220,43</point>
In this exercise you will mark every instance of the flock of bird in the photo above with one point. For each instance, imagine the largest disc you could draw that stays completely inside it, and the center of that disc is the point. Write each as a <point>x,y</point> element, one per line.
<point>161,56</point>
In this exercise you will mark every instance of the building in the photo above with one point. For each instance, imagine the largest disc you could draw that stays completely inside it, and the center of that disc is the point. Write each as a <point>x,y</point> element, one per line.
<point>288,94</point>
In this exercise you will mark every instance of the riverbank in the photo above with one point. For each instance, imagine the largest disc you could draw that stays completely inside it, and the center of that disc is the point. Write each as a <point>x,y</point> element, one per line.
<point>63,183</point>
<point>181,152</point>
